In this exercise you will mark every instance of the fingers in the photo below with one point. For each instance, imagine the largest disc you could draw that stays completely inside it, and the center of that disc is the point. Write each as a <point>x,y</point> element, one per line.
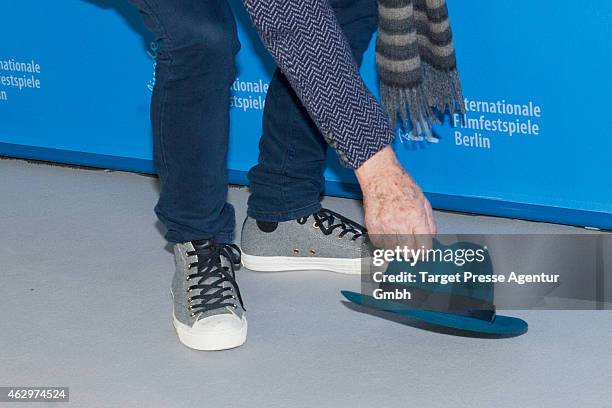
<point>408,241</point>
<point>430,220</point>
<point>423,238</point>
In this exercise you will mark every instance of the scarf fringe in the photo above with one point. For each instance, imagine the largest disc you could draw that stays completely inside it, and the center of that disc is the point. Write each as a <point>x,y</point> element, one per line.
<point>425,105</point>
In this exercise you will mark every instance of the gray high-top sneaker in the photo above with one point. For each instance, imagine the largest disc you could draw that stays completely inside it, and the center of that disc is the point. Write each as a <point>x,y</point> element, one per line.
<point>322,241</point>
<point>208,310</point>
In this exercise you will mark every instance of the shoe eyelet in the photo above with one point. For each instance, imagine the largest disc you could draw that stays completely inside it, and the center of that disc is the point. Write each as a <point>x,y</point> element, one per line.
<point>315,225</point>
<point>312,252</point>
<point>296,251</point>
<point>192,314</point>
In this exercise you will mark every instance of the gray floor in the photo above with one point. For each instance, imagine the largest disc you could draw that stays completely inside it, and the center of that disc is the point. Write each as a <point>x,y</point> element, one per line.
<point>84,302</point>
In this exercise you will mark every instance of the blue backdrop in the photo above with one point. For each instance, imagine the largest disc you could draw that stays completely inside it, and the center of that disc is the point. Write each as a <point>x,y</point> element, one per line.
<point>76,78</point>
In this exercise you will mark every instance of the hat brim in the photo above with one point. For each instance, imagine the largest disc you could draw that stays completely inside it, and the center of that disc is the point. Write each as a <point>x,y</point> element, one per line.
<point>501,325</point>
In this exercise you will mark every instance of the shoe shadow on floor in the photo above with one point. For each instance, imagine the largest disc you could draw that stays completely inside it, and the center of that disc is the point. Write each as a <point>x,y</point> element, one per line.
<point>417,324</point>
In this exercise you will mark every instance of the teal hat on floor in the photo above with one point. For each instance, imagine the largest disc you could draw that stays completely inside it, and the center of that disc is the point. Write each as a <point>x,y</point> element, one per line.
<point>464,305</point>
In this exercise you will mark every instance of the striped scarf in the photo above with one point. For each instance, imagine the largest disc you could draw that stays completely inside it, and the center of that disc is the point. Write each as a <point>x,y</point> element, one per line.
<point>416,64</point>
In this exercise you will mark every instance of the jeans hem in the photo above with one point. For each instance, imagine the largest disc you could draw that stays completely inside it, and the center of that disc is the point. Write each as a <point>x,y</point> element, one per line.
<point>282,216</point>
<point>222,237</point>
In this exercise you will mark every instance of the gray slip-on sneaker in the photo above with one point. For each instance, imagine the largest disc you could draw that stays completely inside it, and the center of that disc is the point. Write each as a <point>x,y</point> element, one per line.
<point>324,240</point>
<point>208,312</point>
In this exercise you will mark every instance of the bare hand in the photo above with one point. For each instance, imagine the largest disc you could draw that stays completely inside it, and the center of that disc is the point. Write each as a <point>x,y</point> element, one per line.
<point>396,211</point>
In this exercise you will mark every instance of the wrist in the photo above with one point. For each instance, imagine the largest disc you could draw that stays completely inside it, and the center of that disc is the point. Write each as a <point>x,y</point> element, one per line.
<point>380,165</point>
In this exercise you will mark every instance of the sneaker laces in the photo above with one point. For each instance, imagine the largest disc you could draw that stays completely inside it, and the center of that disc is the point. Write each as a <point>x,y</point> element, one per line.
<point>328,221</point>
<point>212,277</point>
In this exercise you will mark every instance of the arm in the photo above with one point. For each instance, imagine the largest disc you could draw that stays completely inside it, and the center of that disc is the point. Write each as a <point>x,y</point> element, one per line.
<point>311,50</point>
<point>309,46</point>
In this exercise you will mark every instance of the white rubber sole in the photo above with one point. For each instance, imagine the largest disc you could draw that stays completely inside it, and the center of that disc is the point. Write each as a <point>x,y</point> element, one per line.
<point>211,339</point>
<point>347,266</point>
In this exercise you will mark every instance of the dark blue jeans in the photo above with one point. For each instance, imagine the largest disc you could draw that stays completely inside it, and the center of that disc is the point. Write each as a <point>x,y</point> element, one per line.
<point>190,118</point>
